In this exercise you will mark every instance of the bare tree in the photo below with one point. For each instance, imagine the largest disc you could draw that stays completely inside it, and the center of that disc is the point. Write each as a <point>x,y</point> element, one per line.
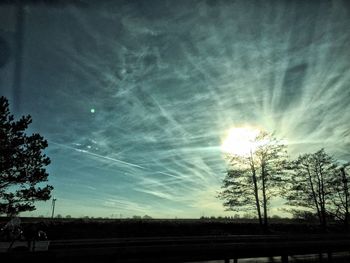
<point>240,189</point>
<point>341,194</point>
<point>272,161</point>
<point>310,183</point>
<point>252,180</point>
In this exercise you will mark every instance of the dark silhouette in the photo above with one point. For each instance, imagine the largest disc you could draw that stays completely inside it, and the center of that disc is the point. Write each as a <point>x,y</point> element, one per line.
<point>252,180</point>
<point>341,194</point>
<point>22,164</point>
<point>310,184</point>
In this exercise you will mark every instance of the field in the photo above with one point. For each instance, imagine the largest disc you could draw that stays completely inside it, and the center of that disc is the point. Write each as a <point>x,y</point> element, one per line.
<point>58,229</point>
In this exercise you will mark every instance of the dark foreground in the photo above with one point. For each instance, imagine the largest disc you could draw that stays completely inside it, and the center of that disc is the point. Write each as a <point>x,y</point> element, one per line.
<point>77,240</point>
<point>184,249</point>
<point>124,228</point>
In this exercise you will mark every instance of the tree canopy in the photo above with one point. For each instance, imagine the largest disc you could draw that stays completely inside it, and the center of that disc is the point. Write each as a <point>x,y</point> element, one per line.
<point>310,183</point>
<point>22,164</point>
<point>252,179</point>
<point>314,185</point>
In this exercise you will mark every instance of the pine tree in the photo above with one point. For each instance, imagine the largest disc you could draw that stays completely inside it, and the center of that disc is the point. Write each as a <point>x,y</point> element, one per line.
<point>22,164</point>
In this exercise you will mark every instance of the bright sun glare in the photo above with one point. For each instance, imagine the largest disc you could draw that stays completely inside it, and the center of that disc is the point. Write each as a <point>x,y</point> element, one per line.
<point>240,141</point>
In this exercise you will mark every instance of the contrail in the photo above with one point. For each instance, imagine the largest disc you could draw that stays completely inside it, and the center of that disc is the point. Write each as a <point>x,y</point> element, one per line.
<point>111,159</point>
<point>99,156</point>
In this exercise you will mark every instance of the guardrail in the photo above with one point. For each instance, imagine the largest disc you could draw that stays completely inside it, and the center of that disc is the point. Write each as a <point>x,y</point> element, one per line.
<point>182,249</point>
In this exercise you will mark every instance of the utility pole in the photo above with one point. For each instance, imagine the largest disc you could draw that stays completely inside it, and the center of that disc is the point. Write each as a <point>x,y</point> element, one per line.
<point>53,207</point>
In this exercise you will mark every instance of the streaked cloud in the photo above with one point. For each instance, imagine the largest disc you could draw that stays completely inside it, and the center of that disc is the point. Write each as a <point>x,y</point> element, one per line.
<point>166,81</point>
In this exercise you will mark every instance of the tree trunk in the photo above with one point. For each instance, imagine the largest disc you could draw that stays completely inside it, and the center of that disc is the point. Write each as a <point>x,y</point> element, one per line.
<point>322,196</point>
<point>346,192</point>
<point>256,193</point>
<point>263,178</point>
<point>257,199</point>
<point>314,193</point>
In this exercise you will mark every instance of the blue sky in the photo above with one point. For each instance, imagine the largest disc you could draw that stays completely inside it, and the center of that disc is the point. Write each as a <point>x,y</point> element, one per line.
<point>167,80</point>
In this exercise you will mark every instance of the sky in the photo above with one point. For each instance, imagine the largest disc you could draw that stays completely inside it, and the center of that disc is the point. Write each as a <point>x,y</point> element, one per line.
<point>136,97</point>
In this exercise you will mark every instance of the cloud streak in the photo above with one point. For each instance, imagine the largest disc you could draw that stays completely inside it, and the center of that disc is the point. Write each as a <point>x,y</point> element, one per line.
<point>168,81</point>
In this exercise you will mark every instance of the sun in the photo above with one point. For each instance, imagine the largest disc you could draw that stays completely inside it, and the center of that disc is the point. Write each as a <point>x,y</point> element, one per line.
<point>240,141</point>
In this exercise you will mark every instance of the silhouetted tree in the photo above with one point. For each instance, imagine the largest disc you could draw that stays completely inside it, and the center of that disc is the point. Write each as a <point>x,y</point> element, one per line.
<point>252,180</point>
<point>22,164</point>
<point>310,183</point>
<point>272,161</point>
<point>341,194</point>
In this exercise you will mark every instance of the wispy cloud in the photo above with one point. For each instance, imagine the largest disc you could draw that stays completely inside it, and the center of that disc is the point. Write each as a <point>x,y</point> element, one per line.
<point>166,83</point>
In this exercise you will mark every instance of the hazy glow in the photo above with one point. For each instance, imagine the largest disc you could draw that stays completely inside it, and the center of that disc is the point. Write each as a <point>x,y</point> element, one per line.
<point>241,141</point>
